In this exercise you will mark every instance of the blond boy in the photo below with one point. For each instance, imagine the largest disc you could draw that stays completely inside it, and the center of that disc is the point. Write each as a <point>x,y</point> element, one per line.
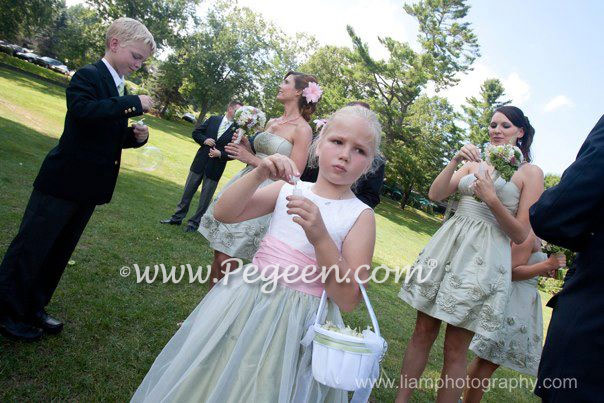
<point>76,175</point>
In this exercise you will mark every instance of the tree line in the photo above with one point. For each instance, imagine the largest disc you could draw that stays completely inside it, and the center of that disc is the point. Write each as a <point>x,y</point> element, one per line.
<point>233,52</point>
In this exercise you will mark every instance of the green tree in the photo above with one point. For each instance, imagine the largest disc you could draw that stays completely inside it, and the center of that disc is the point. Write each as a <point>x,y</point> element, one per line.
<point>415,162</point>
<point>23,19</point>
<point>551,180</point>
<point>234,53</point>
<point>282,54</point>
<point>165,86</point>
<point>335,69</point>
<point>448,47</point>
<point>77,37</point>
<point>166,19</point>
<point>479,110</point>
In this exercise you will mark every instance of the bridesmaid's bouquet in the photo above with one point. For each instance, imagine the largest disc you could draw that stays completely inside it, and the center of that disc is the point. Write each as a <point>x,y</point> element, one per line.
<point>551,249</point>
<point>249,120</point>
<point>504,158</point>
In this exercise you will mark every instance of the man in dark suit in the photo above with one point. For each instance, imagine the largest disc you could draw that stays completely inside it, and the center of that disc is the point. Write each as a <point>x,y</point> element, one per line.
<point>207,167</point>
<point>76,175</point>
<point>571,215</point>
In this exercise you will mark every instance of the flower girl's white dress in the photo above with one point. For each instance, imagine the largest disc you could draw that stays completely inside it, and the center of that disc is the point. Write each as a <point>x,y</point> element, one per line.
<point>243,345</point>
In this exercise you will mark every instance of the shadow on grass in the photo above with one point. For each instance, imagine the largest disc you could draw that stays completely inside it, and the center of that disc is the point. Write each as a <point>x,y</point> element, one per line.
<point>31,82</point>
<point>124,323</point>
<point>179,129</point>
<point>407,218</point>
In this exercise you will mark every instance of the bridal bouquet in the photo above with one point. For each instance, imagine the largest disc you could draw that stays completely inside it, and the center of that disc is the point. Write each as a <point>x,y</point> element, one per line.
<point>504,158</point>
<point>249,120</point>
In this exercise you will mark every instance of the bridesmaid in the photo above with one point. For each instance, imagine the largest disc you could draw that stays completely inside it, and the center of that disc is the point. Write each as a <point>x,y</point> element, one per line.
<point>289,135</point>
<point>519,342</point>
<point>466,265</point>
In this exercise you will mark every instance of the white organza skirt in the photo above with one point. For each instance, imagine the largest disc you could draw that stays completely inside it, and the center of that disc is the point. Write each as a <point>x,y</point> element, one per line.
<point>241,345</point>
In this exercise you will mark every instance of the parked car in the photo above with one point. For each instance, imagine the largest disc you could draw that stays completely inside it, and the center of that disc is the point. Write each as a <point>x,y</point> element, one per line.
<point>55,65</point>
<point>393,191</point>
<point>12,49</point>
<point>30,57</point>
<point>189,117</point>
<point>5,48</point>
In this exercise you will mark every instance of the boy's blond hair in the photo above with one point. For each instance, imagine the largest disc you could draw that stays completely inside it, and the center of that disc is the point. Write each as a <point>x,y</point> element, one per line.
<point>128,30</point>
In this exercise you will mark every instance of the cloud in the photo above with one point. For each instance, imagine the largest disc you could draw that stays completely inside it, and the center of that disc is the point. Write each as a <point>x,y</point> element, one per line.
<point>557,102</point>
<point>468,86</point>
<point>516,89</point>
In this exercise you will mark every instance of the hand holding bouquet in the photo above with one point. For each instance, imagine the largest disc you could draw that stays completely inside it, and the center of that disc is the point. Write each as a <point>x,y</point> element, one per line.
<point>249,120</point>
<point>505,158</point>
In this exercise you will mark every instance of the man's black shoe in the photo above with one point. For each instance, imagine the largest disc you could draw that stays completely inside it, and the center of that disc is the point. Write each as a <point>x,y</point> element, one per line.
<point>170,221</point>
<point>190,228</point>
<point>47,323</point>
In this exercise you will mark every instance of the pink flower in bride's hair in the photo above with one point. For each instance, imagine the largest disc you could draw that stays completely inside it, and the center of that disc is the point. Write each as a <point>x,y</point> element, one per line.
<point>312,93</point>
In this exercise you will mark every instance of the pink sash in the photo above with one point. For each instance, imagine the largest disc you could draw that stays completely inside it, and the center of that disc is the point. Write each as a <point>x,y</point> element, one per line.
<point>295,270</point>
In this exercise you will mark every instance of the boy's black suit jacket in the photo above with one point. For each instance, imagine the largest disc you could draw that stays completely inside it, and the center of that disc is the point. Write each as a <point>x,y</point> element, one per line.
<point>84,166</point>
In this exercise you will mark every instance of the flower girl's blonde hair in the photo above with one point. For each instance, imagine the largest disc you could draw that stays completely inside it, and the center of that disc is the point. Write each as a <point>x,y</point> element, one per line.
<point>375,129</point>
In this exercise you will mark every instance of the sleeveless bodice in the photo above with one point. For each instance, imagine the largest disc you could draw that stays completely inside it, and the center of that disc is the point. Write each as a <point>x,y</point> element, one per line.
<point>267,143</point>
<point>507,192</point>
<point>285,251</point>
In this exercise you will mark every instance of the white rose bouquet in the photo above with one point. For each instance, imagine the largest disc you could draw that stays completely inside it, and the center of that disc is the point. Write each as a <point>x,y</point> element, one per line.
<point>249,120</point>
<point>505,158</point>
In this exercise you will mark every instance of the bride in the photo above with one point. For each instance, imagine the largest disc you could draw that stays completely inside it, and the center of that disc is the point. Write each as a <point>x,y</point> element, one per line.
<point>289,135</point>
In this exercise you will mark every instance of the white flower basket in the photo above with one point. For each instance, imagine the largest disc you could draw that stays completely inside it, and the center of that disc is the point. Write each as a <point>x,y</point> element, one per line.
<point>346,362</point>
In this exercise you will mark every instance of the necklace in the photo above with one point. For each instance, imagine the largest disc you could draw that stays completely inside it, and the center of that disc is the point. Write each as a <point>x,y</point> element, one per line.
<point>280,120</point>
<point>327,201</point>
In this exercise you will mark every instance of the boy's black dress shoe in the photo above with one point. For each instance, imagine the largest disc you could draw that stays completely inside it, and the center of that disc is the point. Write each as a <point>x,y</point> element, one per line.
<point>47,323</point>
<point>17,330</point>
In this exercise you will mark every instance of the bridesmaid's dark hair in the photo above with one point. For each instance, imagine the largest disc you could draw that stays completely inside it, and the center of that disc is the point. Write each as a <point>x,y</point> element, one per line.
<point>518,119</point>
<point>301,81</point>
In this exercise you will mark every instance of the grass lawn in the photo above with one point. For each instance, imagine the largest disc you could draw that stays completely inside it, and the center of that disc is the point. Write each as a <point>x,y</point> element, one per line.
<point>114,328</point>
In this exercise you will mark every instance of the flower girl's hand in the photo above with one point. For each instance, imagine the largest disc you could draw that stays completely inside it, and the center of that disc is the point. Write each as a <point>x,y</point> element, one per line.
<point>277,167</point>
<point>308,216</point>
<point>469,152</point>
<point>484,188</point>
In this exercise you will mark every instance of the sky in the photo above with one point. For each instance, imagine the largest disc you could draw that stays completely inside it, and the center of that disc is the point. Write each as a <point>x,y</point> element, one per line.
<point>547,53</point>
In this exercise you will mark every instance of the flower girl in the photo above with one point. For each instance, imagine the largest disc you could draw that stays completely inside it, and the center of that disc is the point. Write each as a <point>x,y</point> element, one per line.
<point>242,343</point>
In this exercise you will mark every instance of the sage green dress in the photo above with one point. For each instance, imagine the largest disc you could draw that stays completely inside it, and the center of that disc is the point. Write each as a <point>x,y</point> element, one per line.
<point>242,240</point>
<point>463,275</point>
<point>519,342</point>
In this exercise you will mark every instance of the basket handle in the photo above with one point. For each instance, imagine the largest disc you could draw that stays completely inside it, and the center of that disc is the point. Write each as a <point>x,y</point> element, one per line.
<point>374,321</point>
